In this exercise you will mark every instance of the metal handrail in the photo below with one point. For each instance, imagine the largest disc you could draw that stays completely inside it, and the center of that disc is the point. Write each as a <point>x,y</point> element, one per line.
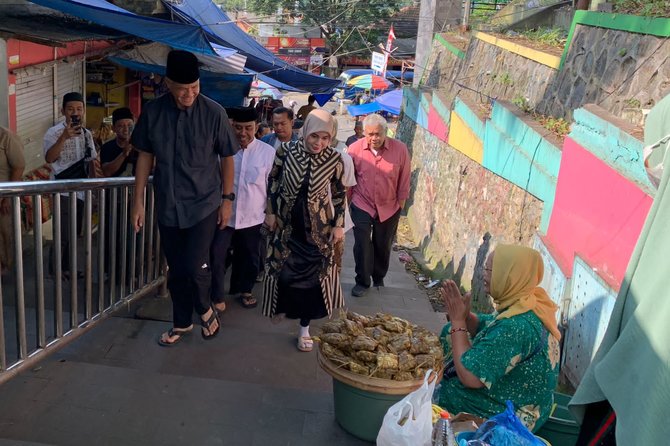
<point>132,267</point>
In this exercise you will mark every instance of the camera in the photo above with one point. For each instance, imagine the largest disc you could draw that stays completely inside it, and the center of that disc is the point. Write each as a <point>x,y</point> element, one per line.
<point>75,121</point>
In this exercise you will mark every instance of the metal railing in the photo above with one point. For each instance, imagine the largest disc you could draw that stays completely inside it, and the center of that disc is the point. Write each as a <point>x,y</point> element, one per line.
<point>119,265</point>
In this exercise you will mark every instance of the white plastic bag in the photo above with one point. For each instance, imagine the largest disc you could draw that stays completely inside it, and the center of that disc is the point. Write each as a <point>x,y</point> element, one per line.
<point>409,421</point>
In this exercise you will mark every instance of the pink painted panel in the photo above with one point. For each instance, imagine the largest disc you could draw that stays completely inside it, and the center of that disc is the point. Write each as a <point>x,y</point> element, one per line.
<point>436,124</point>
<point>597,214</point>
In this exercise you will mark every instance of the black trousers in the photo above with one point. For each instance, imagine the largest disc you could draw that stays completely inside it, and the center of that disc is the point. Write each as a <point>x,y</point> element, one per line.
<point>189,278</point>
<point>373,241</point>
<point>245,245</point>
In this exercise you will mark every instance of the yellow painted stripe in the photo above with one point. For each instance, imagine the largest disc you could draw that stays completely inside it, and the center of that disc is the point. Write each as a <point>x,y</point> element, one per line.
<point>538,56</point>
<point>463,139</point>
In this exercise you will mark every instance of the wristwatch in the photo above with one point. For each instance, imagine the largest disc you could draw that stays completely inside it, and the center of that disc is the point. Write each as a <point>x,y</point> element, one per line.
<point>230,196</point>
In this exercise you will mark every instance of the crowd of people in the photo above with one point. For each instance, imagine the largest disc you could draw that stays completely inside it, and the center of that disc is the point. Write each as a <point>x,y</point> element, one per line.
<point>274,204</point>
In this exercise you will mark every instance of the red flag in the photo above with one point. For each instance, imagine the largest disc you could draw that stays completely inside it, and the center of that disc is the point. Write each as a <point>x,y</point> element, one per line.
<point>391,34</point>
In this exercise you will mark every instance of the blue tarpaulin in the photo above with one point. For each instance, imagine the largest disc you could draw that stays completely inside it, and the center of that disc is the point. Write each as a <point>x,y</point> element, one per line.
<point>225,32</point>
<point>389,102</point>
<point>227,89</point>
<point>189,37</point>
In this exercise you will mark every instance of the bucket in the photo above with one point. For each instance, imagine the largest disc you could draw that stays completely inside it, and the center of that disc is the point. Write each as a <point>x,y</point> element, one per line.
<point>361,412</point>
<point>361,402</point>
<point>561,429</point>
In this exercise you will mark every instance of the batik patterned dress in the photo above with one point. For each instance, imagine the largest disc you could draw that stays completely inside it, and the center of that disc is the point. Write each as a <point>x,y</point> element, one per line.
<point>313,182</point>
<point>516,358</point>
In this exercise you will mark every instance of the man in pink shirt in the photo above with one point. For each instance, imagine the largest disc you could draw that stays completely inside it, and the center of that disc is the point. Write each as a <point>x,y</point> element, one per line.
<point>382,167</point>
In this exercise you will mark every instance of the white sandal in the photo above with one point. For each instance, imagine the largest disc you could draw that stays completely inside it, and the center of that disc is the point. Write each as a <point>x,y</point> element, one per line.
<point>305,344</point>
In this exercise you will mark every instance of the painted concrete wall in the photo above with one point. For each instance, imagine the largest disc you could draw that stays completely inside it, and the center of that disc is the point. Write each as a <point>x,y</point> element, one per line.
<point>515,149</point>
<point>458,208</point>
<point>598,214</point>
<point>591,304</point>
<point>609,138</point>
<point>467,131</point>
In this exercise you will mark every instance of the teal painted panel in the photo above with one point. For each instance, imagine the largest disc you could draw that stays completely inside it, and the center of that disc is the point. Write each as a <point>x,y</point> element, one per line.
<point>411,104</point>
<point>516,152</point>
<point>470,118</point>
<point>618,149</point>
<point>442,109</point>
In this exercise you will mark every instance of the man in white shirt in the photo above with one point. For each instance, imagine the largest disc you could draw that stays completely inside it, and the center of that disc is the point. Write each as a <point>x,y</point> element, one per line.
<point>65,145</point>
<point>243,232</point>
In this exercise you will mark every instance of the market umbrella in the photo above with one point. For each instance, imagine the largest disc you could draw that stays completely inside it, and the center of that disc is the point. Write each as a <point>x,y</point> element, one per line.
<point>369,82</point>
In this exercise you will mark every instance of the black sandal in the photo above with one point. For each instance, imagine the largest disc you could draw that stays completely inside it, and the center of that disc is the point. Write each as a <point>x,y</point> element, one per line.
<point>207,325</point>
<point>245,301</point>
<point>171,333</point>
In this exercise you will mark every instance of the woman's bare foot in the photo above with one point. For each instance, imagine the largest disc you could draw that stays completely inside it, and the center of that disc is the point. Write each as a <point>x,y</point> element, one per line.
<point>210,324</point>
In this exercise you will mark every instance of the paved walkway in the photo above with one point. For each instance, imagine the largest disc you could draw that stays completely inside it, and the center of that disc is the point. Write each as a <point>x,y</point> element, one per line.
<point>249,386</point>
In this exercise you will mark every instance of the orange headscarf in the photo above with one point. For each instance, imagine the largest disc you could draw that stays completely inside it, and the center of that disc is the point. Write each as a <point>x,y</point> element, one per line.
<point>517,272</point>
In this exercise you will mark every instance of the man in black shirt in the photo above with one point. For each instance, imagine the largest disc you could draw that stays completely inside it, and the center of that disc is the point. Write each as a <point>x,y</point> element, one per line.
<point>191,140</point>
<point>118,154</point>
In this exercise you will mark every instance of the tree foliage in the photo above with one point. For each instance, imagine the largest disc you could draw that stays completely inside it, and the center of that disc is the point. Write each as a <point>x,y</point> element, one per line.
<point>351,24</point>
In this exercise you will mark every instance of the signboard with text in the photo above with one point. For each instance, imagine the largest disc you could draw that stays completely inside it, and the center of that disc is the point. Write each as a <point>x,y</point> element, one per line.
<point>378,62</point>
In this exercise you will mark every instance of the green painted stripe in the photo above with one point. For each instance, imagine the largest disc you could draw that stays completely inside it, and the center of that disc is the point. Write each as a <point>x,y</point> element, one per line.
<point>630,23</point>
<point>449,46</point>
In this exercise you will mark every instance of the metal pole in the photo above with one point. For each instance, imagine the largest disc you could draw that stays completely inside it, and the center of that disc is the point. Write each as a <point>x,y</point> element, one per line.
<point>20,291</point>
<point>150,243</point>
<point>124,239</point>
<point>74,318</point>
<point>58,311</point>
<point>3,352</point>
<point>466,14</point>
<point>39,270</point>
<point>88,253</point>
<point>112,245</point>
<point>102,228</point>
<point>143,231</point>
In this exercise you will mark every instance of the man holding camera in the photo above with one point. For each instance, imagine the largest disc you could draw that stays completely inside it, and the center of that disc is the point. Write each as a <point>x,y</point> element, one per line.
<point>69,148</point>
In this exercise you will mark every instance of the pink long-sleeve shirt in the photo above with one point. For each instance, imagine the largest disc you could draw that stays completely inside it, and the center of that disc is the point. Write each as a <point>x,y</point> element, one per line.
<point>382,180</point>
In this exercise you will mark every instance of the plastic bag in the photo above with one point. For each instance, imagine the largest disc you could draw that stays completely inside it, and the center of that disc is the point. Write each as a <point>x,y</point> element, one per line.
<point>409,421</point>
<point>505,429</point>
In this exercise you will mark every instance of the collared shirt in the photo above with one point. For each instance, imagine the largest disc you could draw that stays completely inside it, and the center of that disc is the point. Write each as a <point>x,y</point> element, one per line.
<point>274,141</point>
<point>382,180</point>
<point>187,145</point>
<point>252,168</point>
<point>11,154</point>
<point>74,148</point>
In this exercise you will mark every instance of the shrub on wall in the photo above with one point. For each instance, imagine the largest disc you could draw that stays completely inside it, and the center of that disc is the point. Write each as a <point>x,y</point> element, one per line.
<point>651,8</point>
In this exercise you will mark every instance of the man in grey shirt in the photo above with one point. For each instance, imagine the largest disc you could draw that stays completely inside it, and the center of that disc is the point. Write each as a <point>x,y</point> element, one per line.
<point>191,140</point>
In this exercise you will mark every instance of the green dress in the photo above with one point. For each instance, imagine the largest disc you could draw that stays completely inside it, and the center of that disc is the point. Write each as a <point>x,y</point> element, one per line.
<point>516,359</point>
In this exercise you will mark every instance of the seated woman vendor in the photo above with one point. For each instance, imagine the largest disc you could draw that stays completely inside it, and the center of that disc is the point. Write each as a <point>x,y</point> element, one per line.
<point>509,355</point>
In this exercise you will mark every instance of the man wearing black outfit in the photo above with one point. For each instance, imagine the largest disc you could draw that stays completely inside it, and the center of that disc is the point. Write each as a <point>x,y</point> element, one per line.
<point>118,160</point>
<point>192,142</point>
<point>117,156</point>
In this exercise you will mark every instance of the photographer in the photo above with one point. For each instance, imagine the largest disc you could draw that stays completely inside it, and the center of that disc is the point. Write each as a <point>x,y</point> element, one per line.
<point>69,148</point>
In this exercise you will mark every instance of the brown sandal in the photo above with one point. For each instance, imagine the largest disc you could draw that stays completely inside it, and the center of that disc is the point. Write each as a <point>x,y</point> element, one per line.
<point>248,301</point>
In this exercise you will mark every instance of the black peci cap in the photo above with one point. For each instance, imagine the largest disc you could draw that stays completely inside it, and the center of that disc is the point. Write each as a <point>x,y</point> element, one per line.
<point>182,67</point>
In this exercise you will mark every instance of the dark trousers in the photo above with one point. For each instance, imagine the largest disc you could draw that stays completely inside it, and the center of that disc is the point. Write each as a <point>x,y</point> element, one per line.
<point>245,245</point>
<point>189,277</point>
<point>373,241</point>
<point>65,219</point>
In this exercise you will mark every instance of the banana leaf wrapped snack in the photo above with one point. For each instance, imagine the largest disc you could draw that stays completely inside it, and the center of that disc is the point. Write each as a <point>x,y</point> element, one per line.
<point>380,346</point>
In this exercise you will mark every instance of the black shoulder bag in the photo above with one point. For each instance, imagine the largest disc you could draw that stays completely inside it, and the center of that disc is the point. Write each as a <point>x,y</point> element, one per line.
<point>78,169</point>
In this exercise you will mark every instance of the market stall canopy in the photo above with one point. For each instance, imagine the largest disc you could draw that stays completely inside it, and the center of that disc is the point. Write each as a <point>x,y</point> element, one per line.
<point>369,82</point>
<point>225,88</point>
<point>189,37</point>
<point>389,102</point>
<point>155,53</point>
<point>225,32</point>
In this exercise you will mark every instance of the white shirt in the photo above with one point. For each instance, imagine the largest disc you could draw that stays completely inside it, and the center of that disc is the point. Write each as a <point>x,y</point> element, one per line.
<point>348,180</point>
<point>252,167</point>
<point>74,149</point>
